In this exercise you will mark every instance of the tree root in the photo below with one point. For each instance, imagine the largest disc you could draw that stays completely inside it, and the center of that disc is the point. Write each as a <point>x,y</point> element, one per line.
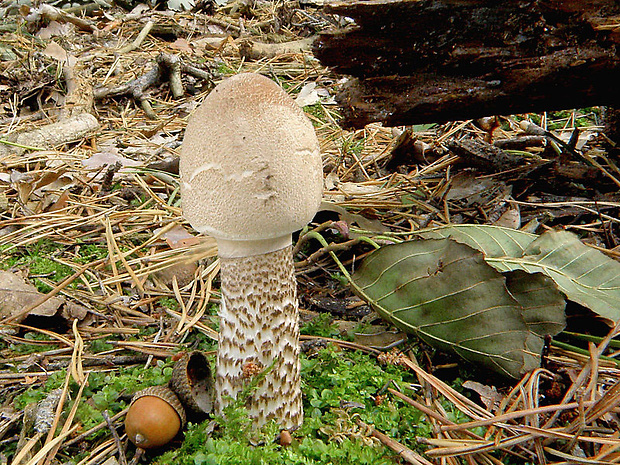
<point>51,135</point>
<point>51,13</point>
<point>252,50</point>
<point>167,67</point>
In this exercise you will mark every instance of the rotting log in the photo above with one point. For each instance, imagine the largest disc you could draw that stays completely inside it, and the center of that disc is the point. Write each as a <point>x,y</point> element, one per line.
<point>420,61</point>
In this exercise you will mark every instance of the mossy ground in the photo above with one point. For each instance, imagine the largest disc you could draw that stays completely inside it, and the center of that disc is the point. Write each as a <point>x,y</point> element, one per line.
<point>339,387</point>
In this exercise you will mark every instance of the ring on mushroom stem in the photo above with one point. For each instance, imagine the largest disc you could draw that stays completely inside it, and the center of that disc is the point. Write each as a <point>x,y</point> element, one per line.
<point>251,174</point>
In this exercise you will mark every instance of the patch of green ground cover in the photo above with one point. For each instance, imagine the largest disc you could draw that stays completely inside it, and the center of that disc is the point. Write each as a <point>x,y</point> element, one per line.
<point>205,343</point>
<point>169,302</point>
<point>352,145</point>
<point>100,345</point>
<point>22,348</point>
<point>88,253</point>
<point>106,391</point>
<point>583,117</point>
<point>37,259</point>
<point>338,387</point>
<point>318,112</point>
<point>322,325</point>
<point>557,120</point>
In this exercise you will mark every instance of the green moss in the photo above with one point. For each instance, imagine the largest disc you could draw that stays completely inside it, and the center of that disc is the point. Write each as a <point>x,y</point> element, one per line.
<point>37,259</point>
<point>322,325</point>
<point>169,302</point>
<point>38,392</point>
<point>90,252</point>
<point>25,348</point>
<point>110,391</point>
<point>317,112</point>
<point>100,345</point>
<point>338,387</point>
<point>224,69</point>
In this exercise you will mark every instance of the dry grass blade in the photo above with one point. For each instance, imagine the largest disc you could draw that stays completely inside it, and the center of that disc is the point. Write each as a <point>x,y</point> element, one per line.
<point>69,420</point>
<point>517,429</point>
<point>51,445</point>
<point>464,404</point>
<point>76,368</point>
<point>585,372</point>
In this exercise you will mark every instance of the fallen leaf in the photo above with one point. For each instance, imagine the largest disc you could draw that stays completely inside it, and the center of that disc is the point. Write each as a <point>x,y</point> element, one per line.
<point>445,293</point>
<point>184,272</point>
<point>60,203</point>
<point>178,237</point>
<point>28,380</point>
<point>182,45</point>
<point>380,338</point>
<point>16,294</point>
<point>488,394</point>
<point>72,310</point>
<point>511,218</point>
<point>53,50</point>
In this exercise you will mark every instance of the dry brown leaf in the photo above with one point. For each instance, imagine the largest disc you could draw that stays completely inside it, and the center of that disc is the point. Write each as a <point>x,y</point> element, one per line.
<point>184,272</point>
<point>380,338</point>
<point>16,294</point>
<point>177,236</point>
<point>511,218</point>
<point>182,45</point>
<point>53,50</point>
<point>488,394</point>
<point>72,310</point>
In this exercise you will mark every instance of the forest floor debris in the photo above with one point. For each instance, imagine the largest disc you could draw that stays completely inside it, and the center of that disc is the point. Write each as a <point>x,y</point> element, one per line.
<point>91,218</point>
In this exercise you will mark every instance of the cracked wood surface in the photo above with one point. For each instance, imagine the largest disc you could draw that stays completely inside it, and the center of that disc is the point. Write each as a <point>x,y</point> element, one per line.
<point>441,60</point>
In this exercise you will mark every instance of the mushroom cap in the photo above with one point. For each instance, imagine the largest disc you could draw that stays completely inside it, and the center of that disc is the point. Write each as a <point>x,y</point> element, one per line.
<point>250,164</point>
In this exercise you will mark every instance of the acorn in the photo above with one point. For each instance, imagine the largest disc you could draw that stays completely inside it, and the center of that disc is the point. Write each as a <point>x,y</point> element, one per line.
<point>155,416</point>
<point>192,381</point>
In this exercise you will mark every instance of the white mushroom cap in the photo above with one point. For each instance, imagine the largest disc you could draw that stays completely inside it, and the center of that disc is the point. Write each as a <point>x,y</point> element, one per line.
<point>250,167</point>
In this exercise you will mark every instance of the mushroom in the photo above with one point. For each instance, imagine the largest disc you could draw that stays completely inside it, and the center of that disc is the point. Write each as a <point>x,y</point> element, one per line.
<point>251,174</point>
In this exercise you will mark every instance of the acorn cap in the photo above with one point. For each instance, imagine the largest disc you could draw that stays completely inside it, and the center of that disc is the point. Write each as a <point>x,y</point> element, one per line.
<point>164,393</point>
<point>192,381</point>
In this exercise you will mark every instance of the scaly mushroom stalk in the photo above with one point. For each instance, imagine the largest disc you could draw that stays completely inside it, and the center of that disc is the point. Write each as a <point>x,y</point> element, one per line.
<point>259,331</point>
<point>251,174</point>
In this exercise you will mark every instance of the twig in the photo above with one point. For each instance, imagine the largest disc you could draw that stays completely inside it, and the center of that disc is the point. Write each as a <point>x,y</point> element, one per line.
<point>94,429</point>
<point>117,439</point>
<point>70,129</point>
<point>138,455</point>
<point>405,453</point>
<point>166,66</point>
<point>51,13</point>
<point>138,40</point>
<point>236,30</point>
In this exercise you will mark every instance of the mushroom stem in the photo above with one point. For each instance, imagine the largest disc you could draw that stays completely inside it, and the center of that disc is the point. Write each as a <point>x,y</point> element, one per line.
<point>258,330</point>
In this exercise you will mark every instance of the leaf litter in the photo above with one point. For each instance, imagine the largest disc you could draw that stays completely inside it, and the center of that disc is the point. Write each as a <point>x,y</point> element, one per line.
<point>91,220</point>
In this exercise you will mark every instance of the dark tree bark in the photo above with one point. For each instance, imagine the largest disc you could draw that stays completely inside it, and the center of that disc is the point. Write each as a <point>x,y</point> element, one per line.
<point>420,61</point>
